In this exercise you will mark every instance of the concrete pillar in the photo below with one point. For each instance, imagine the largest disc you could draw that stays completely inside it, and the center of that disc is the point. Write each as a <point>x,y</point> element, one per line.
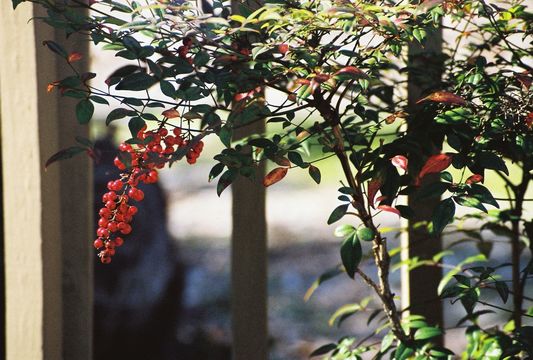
<point>46,214</point>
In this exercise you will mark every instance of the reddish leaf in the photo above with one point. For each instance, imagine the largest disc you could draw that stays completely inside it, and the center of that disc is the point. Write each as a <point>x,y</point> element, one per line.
<point>399,161</point>
<point>435,164</point>
<point>352,70</point>
<point>444,97</point>
<point>274,176</point>
<point>529,120</point>
<point>373,186</point>
<point>282,161</point>
<point>171,113</point>
<point>474,179</point>
<point>389,209</point>
<point>74,56</point>
<point>524,79</point>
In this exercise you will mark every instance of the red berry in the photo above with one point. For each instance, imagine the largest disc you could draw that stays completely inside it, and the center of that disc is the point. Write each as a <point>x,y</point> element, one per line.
<point>98,243</point>
<point>124,228</point>
<point>105,212</point>
<point>111,205</point>
<point>177,131</point>
<point>103,222</point>
<point>132,210</point>
<point>119,241</point>
<point>102,232</point>
<point>105,259</point>
<point>112,226</point>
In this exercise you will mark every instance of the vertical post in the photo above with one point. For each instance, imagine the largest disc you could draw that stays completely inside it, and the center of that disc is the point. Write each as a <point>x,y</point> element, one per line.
<point>249,254</point>
<point>419,286</point>
<point>45,213</point>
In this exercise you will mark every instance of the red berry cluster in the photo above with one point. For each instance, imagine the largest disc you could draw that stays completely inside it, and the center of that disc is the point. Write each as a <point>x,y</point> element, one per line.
<point>146,158</point>
<point>183,50</point>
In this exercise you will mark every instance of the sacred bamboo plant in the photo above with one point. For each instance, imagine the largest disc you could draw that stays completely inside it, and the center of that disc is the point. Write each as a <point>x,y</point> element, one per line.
<point>326,75</point>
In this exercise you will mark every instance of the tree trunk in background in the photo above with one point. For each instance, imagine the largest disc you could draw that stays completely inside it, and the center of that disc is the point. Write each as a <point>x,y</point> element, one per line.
<point>419,286</point>
<point>249,253</point>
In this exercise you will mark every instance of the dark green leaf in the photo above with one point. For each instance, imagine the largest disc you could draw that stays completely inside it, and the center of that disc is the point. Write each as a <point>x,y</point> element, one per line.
<point>314,172</point>
<point>296,159</point>
<point>225,135</point>
<point>215,171</point>
<point>470,202</point>
<point>365,234</point>
<point>84,111</point>
<point>131,43</point>
<point>338,213</point>
<point>84,141</point>
<point>431,190</point>
<point>201,59</point>
<point>324,349</point>
<point>135,125</point>
<point>16,3</point>
<point>503,290</point>
<point>99,99</point>
<point>55,47</point>
<point>64,154</point>
<point>491,161</point>
<point>225,180</point>
<point>351,254</point>
<point>482,194</point>
<point>167,88</point>
<point>136,82</point>
<point>119,113</point>
<point>443,215</point>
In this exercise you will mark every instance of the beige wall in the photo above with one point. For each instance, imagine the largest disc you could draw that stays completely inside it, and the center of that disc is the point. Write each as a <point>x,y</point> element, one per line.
<point>41,209</point>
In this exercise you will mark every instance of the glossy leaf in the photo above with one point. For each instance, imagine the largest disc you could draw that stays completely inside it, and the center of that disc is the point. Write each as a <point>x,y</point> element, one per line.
<point>338,213</point>
<point>443,97</point>
<point>84,111</point>
<point>443,215</point>
<point>314,172</point>
<point>351,254</point>
<point>65,154</point>
<point>274,176</point>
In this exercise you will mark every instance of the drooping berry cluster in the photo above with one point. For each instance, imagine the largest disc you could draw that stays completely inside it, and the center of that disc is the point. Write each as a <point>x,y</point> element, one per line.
<point>144,159</point>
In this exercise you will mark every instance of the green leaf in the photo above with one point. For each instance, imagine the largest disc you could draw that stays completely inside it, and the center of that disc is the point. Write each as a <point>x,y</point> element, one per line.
<point>296,159</point>
<point>167,89</point>
<point>386,342</point>
<point>84,111</point>
<point>99,99</point>
<point>365,234</point>
<point>16,3</point>
<point>136,82</point>
<point>330,274</point>
<point>344,230</point>
<point>314,172</point>
<point>64,154</point>
<point>351,254</point>
<point>55,47</point>
<point>431,190</point>
<point>119,113</point>
<point>343,312</point>
<point>491,161</point>
<point>482,194</point>
<point>338,213</point>
<point>443,215</point>
<point>135,125</point>
<point>84,141</point>
<point>324,349</point>
<point>215,171</point>
<point>201,59</point>
<point>225,135</point>
<point>419,34</point>
<point>427,333</point>
<point>225,180</point>
<point>503,290</point>
<point>470,202</point>
<point>403,352</point>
